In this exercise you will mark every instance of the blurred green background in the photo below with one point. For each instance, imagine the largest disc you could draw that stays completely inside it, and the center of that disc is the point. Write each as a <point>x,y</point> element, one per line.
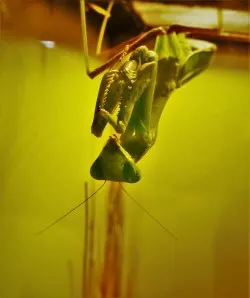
<point>195,179</point>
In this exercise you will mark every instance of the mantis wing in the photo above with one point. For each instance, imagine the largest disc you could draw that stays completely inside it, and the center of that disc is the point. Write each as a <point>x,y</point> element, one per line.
<point>197,62</point>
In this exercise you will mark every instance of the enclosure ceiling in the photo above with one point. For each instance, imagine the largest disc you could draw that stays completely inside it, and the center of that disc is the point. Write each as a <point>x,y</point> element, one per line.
<point>230,4</point>
<point>159,14</point>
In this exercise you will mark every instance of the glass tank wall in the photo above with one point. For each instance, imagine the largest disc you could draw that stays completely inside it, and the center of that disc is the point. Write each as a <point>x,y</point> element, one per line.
<point>195,182</point>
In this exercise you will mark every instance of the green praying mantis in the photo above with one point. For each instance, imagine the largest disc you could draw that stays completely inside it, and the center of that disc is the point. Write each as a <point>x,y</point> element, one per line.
<point>136,90</point>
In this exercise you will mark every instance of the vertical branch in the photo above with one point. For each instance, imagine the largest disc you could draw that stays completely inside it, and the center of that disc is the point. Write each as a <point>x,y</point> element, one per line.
<point>119,244</point>
<point>89,275</point>
<point>103,27</point>
<point>85,288</point>
<point>106,278</point>
<point>132,274</point>
<point>84,35</point>
<point>71,279</point>
<point>92,250</point>
<point>111,280</point>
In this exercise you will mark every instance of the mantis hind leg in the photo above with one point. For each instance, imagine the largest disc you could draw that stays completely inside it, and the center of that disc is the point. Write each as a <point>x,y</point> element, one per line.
<point>107,14</point>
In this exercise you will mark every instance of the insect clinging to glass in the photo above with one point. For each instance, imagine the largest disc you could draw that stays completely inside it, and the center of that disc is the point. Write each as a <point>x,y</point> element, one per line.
<point>136,89</point>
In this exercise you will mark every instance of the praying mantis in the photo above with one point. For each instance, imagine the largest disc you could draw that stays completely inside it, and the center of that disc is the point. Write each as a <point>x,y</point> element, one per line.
<point>136,89</point>
<point>138,84</point>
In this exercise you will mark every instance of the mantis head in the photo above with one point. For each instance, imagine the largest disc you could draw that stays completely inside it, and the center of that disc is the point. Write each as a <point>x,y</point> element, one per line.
<point>115,164</point>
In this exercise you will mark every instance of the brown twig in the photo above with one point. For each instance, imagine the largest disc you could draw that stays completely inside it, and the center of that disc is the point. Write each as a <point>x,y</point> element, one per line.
<point>111,281</point>
<point>71,278</point>
<point>91,267</point>
<point>85,289</point>
<point>194,32</point>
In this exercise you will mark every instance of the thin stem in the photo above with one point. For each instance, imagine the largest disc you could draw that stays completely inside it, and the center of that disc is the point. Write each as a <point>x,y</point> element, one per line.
<point>103,27</point>
<point>84,35</point>
<point>71,278</point>
<point>91,266</point>
<point>86,251</point>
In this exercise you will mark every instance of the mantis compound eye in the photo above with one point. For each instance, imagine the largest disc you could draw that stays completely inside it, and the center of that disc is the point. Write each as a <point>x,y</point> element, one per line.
<point>96,170</point>
<point>140,54</point>
<point>131,173</point>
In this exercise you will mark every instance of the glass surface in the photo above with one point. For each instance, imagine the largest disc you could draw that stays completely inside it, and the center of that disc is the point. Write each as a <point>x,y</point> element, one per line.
<point>195,180</point>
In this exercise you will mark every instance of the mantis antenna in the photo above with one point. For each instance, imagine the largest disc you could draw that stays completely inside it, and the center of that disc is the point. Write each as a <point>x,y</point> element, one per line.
<point>70,211</point>
<point>150,215</point>
<point>83,202</point>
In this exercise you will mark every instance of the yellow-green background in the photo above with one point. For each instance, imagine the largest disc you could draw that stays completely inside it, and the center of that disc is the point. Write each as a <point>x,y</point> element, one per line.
<point>195,179</point>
